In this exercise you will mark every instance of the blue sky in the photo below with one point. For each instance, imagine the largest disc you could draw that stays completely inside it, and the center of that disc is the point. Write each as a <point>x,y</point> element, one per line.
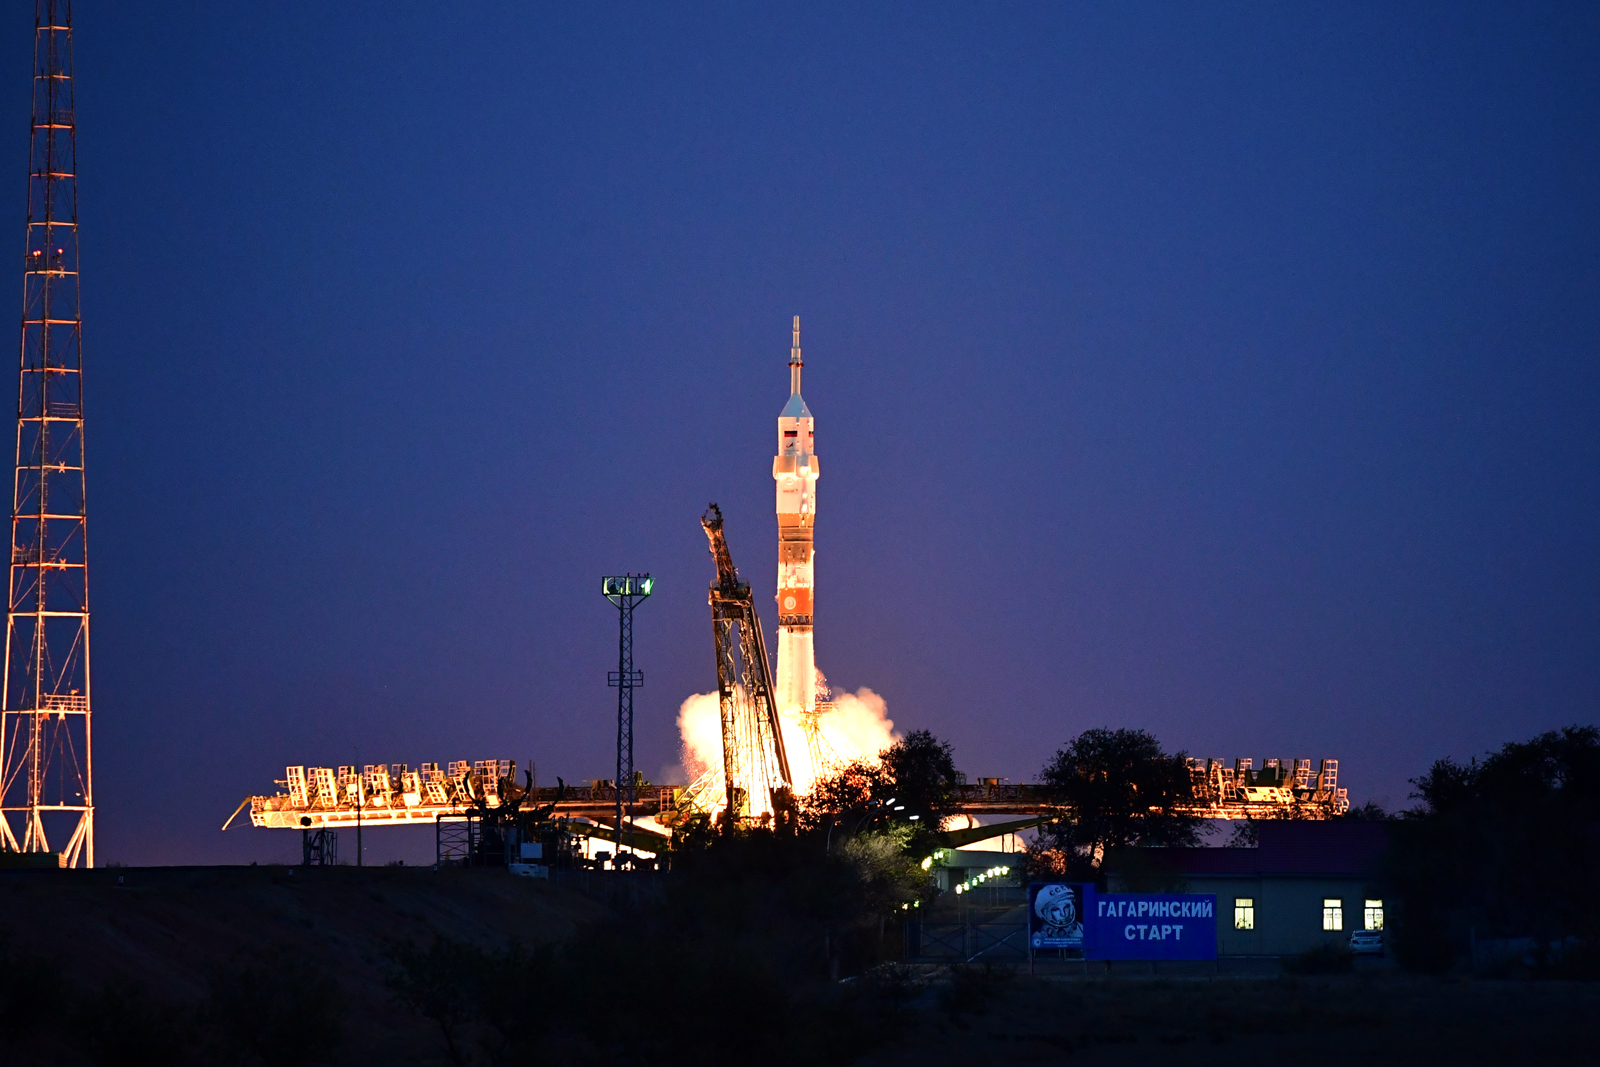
<point>1224,370</point>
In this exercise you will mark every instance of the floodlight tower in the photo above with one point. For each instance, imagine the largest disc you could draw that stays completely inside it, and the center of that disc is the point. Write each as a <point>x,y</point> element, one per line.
<point>626,591</point>
<point>45,767</point>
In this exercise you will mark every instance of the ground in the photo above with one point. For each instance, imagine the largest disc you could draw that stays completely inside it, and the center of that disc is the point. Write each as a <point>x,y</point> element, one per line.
<point>170,928</point>
<point>1368,1019</point>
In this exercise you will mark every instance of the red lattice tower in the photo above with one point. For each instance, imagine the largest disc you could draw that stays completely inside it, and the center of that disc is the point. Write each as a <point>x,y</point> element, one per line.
<point>46,792</point>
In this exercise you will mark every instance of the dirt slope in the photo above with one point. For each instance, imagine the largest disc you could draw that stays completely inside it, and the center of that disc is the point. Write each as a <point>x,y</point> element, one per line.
<point>170,927</point>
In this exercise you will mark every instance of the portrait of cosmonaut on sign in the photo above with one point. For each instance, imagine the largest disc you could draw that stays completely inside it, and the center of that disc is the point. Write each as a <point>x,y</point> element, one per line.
<point>1055,919</point>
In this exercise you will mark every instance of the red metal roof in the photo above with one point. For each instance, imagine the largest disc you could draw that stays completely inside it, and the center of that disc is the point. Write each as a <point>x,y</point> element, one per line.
<point>1349,849</point>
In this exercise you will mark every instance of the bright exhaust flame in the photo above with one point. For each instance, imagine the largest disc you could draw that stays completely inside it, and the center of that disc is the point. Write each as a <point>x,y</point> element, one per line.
<point>858,727</point>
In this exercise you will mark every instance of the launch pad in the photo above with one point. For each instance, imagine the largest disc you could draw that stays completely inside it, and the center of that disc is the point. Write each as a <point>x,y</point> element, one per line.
<point>753,778</point>
<point>395,795</point>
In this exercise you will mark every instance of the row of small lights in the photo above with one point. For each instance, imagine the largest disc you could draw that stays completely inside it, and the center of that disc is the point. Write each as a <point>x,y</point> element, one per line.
<point>979,879</point>
<point>975,880</point>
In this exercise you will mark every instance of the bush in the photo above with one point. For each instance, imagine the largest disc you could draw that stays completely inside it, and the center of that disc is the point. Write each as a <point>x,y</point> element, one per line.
<point>32,990</point>
<point>121,1026</point>
<point>276,1005</point>
<point>972,988</point>
<point>1324,959</point>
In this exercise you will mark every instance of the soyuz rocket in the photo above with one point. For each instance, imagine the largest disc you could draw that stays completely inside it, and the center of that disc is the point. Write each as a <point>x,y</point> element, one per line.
<point>795,470</point>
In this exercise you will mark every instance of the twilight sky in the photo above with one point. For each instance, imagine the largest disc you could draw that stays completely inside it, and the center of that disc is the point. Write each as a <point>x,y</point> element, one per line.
<point>1223,370</point>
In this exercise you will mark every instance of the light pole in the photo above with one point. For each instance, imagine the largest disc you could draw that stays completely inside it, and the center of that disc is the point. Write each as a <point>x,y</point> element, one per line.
<point>626,591</point>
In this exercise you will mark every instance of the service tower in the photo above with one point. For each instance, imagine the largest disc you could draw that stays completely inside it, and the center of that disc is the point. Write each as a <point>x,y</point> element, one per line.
<point>795,471</point>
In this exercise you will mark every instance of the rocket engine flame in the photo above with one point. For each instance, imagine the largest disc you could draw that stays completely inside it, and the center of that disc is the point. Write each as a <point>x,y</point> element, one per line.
<point>858,727</point>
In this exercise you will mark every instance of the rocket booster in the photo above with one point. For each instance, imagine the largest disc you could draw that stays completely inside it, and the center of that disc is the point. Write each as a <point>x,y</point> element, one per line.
<point>795,470</point>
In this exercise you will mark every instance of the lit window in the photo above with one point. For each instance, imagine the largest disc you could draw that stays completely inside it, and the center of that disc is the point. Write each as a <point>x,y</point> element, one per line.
<point>1372,915</point>
<point>1332,914</point>
<point>1244,913</point>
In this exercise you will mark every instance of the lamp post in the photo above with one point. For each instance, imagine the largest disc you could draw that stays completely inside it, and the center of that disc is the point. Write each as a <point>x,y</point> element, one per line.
<point>626,591</point>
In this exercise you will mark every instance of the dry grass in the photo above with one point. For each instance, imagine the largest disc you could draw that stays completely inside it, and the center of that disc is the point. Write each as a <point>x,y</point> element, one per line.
<point>1368,1020</point>
<point>167,930</point>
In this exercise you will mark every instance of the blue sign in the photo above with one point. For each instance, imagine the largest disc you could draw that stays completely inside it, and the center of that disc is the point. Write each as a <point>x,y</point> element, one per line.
<point>1146,926</point>
<point>1056,912</point>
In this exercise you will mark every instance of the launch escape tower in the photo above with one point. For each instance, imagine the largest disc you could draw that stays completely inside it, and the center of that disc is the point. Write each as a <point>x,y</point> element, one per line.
<point>755,766</point>
<point>625,591</point>
<point>46,780</point>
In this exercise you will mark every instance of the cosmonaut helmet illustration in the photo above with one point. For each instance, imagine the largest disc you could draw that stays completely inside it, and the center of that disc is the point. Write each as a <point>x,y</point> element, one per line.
<point>1056,905</point>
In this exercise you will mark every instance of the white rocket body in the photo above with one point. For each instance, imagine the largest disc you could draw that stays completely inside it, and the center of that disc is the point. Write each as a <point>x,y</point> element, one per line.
<point>795,471</point>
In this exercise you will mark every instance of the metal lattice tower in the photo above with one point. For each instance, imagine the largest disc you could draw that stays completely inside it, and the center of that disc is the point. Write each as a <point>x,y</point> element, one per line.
<point>825,760</point>
<point>626,592</point>
<point>46,779</point>
<point>755,766</point>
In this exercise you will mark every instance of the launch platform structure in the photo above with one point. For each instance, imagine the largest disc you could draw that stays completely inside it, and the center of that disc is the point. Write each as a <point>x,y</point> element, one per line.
<point>46,770</point>
<point>626,591</point>
<point>825,759</point>
<point>755,766</point>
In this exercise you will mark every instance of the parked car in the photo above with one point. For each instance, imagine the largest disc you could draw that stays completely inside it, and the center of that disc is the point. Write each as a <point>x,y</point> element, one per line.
<point>1366,943</point>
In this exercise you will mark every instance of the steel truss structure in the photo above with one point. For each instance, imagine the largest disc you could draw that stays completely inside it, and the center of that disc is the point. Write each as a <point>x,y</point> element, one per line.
<point>755,766</point>
<point>626,592</point>
<point>825,759</point>
<point>46,770</point>
<point>394,795</point>
<point>388,795</point>
<point>379,794</point>
<point>1282,787</point>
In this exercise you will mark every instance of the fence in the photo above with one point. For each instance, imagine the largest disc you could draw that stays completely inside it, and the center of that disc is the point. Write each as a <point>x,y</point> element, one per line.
<point>987,925</point>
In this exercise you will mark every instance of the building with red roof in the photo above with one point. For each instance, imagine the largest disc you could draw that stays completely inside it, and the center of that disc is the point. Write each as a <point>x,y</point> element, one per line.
<point>1305,884</point>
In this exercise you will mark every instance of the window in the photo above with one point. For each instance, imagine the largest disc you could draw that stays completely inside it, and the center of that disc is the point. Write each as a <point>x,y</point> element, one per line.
<point>1332,914</point>
<point>1244,913</point>
<point>1372,915</point>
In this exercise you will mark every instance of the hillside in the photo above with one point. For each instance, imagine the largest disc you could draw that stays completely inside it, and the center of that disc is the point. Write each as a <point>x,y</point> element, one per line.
<point>170,928</point>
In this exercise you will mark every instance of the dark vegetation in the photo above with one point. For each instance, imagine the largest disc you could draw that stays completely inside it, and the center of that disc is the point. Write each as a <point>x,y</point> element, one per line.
<point>241,965</point>
<point>1322,959</point>
<point>911,787</point>
<point>780,944</point>
<point>729,962</point>
<point>1505,848</point>
<point>1111,788</point>
<point>738,955</point>
<point>1368,1018</point>
<point>264,1007</point>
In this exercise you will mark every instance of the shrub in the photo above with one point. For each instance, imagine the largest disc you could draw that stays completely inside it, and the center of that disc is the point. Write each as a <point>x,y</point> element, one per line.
<point>276,1005</point>
<point>1324,959</point>
<point>122,1026</point>
<point>32,990</point>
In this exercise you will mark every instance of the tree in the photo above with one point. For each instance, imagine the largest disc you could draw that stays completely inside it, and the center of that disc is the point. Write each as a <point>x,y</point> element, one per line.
<point>916,773</point>
<point>1109,788</point>
<point>1500,848</point>
<point>846,794</point>
<point>921,770</point>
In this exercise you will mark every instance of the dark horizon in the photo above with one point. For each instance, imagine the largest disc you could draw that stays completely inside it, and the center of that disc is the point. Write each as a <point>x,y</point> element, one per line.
<point>1225,372</point>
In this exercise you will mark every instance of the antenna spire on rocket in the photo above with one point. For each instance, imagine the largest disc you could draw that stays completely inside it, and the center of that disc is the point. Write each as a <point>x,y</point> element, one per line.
<point>795,362</point>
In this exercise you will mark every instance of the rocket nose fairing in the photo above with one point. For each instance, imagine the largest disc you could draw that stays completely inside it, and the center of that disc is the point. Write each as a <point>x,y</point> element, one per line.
<point>795,471</point>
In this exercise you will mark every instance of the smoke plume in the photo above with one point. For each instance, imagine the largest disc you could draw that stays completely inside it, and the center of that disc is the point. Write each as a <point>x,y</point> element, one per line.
<point>858,727</point>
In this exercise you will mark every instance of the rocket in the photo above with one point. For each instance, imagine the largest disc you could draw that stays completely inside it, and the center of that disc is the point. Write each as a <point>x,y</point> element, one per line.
<point>795,470</point>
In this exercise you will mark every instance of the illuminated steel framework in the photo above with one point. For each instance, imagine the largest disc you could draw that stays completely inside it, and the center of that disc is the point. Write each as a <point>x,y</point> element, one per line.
<point>755,766</point>
<point>395,795</point>
<point>46,773</point>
